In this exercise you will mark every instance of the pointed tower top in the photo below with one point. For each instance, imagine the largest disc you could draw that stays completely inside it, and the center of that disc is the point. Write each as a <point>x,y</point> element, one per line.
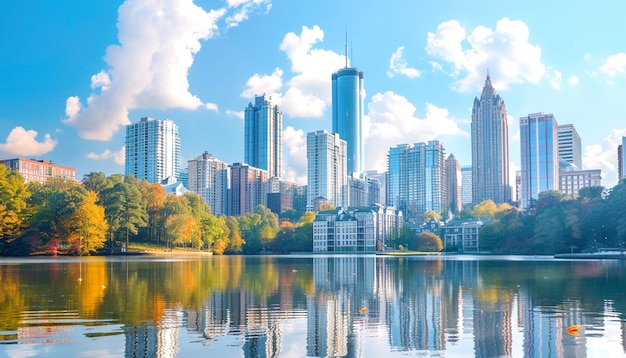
<point>488,89</point>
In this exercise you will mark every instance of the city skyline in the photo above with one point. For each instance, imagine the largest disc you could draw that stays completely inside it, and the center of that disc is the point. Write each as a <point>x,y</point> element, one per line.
<point>190,65</point>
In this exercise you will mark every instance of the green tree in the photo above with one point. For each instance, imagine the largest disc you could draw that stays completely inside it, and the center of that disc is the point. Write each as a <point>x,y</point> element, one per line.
<point>235,240</point>
<point>429,242</point>
<point>124,208</point>
<point>431,214</point>
<point>13,206</point>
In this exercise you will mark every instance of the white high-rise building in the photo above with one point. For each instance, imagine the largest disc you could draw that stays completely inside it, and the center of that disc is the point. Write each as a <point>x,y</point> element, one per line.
<point>152,150</point>
<point>570,145</point>
<point>208,177</point>
<point>466,185</point>
<point>327,174</point>
<point>263,144</point>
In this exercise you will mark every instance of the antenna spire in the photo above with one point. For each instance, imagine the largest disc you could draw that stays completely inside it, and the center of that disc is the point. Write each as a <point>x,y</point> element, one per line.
<point>346,49</point>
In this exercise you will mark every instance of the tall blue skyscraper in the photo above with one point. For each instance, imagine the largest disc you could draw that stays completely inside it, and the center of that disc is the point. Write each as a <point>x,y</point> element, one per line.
<point>347,92</point>
<point>152,150</point>
<point>539,140</point>
<point>490,148</point>
<point>263,136</point>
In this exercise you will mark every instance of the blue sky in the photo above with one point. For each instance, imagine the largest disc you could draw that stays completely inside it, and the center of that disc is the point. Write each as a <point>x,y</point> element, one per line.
<point>74,73</point>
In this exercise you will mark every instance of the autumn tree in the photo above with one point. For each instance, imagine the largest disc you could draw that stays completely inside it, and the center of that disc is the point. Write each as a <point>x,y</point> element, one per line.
<point>87,227</point>
<point>428,241</point>
<point>13,205</point>
<point>431,214</point>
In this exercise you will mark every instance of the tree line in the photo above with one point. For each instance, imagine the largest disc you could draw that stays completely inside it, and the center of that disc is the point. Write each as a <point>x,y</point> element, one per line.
<point>107,214</point>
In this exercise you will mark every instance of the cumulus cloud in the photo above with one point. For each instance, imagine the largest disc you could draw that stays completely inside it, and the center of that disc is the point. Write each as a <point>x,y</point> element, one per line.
<point>243,10</point>
<point>614,65</point>
<point>573,80</point>
<point>22,142</point>
<point>211,107</point>
<point>391,120</point>
<point>555,79</point>
<point>118,157</point>
<point>399,66</point>
<point>505,52</point>
<point>148,68</point>
<point>237,114</point>
<point>604,156</point>
<point>305,92</point>
<point>294,150</point>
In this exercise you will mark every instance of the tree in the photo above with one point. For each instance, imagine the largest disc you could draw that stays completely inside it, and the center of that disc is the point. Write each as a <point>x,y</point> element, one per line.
<point>235,241</point>
<point>87,227</point>
<point>431,214</point>
<point>124,208</point>
<point>485,210</point>
<point>428,241</point>
<point>178,225</point>
<point>154,198</point>
<point>13,205</point>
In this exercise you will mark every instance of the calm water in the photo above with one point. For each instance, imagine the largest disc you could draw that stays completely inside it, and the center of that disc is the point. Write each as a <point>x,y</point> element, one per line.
<point>315,306</point>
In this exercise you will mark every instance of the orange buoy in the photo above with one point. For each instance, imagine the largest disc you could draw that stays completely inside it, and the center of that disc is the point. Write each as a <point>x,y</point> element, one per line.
<point>363,310</point>
<point>573,330</point>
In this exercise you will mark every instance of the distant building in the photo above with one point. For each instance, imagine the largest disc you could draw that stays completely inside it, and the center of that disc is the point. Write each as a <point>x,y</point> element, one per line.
<point>327,174</point>
<point>363,191</point>
<point>453,184</point>
<point>172,186</point>
<point>490,148</point>
<point>39,170</point>
<point>382,180</point>
<point>208,177</point>
<point>570,182</point>
<point>152,150</point>
<point>540,156</point>
<point>263,126</point>
<point>466,185</point>
<point>570,145</point>
<point>347,112</point>
<point>621,161</point>
<point>355,230</point>
<point>461,236</point>
<point>248,189</point>
<point>279,202</point>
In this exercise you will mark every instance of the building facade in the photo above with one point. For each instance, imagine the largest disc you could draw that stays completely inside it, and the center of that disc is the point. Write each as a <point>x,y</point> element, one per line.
<point>453,184</point>
<point>327,174</point>
<point>347,114</point>
<point>570,145</point>
<point>39,170</point>
<point>490,148</point>
<point>466,185</point>
<point>416,179</point>
<point>248,189</point>
<point>461,236</point>
<point>263,143</point>
<point>208,177</point>
<point>539,156</point>
<point>152,150</point>
<point>570,182</point>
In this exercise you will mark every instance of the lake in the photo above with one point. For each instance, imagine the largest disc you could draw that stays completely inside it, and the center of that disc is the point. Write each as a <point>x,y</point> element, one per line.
<point>312,306</point>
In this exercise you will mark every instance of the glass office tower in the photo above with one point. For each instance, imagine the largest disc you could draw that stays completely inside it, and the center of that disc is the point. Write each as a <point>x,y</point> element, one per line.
<point>540,159</point>
<point>490,148</point>
<point>263,145</point>
<point>152,150</point>
<point>347,92</point>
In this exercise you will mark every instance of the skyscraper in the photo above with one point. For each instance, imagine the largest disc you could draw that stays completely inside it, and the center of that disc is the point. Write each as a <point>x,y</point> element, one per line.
<point>263,136</point>
<point>490,148</point>
<point>539,152</point>
<point>453,184</point>
<point>415,179</point>
<point>621,161</point>
<point>466,185</point>
<point>570,145</point>
<point>347,92</point>
<point>152,150</point>
<point>208,177</point>
<point>248,188</point>
<point>327,175</point>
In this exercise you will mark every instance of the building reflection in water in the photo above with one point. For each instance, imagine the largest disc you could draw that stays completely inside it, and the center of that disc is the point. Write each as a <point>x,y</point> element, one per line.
<point>423,305</point>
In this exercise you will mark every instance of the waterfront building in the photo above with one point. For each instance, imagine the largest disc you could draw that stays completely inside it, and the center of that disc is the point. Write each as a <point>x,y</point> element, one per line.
<point>263,144</point>
<point>490,148</point>
<point>248,189</point>
<point>539,156</point>
<point>341,230</point>
<point>33,170</point>
<point>461,235</point>
<point>453,185</point>
<point>152,150</point>
<point>327,175</point>
<point>347,114</point>
<point>415,179</point>
<point>208,177</point>
<point>466,185</point>
<point>570,145</point>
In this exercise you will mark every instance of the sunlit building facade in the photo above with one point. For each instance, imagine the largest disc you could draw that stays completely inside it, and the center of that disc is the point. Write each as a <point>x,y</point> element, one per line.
<point>570,145</point>
<point>327,175</point>
<point>490,148</point>
<point>208,177</point>
<point>39,170</point>
<point>539,153</point>
<point>248,189</point>
<point>263,143</point>
<point>347,112</point>
<point>152,150</point>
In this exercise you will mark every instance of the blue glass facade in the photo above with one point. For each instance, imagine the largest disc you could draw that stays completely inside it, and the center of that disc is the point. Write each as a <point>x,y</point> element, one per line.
<point>347,99</point>
<point>539,156</point>
<point>263,136</point>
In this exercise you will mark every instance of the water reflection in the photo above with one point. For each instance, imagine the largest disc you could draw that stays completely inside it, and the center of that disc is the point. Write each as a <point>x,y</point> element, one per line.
<point>316,306</point>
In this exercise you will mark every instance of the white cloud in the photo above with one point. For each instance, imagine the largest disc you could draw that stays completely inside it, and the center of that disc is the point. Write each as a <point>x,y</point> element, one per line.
<point>237,114</point>
<point>391,120</point>
<point>211,107</point>
<point>505,52</point>
<point>243,10</point>
<point>294,150</point>
<point>555,79</point>
<point>398,65</point>
<point>573,80</point>
<point>22,142</point>
<point>149,67</point>
<point>604,156</point>
<point>307,93</point>
<point>118,157</point>
<point>614,65</point>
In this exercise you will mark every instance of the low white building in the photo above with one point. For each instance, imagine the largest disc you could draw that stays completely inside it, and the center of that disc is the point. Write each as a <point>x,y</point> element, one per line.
<point>461,236</point>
